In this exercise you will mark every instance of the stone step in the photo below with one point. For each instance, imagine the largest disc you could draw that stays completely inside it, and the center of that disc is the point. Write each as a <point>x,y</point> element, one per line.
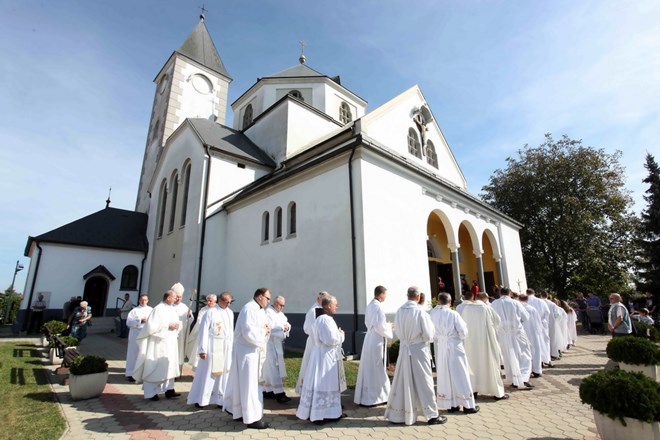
<point>103,325</point>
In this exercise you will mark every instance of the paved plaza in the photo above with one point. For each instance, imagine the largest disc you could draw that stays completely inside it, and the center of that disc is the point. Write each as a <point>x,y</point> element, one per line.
<point>552,410</point>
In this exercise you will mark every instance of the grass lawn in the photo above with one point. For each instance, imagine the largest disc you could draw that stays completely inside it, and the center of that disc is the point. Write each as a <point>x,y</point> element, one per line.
<point>28,406</point>
<point>293,361</point>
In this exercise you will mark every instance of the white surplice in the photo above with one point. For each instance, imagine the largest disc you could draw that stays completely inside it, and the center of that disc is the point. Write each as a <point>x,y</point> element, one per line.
<point>324,378</point>
<point>191,348</point>
<point>134,324</point>
<point>516,353</point>
<point>412,393</point>
<point>310,318</point>
<point>541,307</point>
<point>451,364</point>
<point>275,368</point>
<point>534,330</point>
<point>185,318</point>
<point>373,383</point>
<point>158,355</point>
<point>243,396</point>
<point>555,331</point>
<point>562,329</point>
<point>482,348</point>
<point>213,340</point>
<point>572,327</point>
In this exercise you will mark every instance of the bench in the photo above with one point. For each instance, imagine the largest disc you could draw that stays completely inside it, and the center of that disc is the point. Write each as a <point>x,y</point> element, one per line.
<point>68,355</point>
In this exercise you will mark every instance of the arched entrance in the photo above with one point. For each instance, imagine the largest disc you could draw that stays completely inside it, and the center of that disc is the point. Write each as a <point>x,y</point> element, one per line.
<point>439,254</point>
<point>96,294</point>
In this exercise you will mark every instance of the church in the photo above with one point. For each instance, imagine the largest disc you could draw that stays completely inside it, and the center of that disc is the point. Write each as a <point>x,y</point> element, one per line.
<point>303,190</point>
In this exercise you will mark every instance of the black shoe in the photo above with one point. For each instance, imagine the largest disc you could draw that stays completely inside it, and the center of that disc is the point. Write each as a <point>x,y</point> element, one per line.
<point>130,379</point>
<point>471,410</point>
<point>155,398</point>
<point>319,422</point>
<point>259,424</point>
<point>171,394</point>
<point>232,415</point>
<point>528,385</point>
<point>475,395</point>
<point>454,409</point>
<point>437,420</point>
<point>282,398</point>
<point>504,397</point>
<point>514,386</point>
<point>536,375</point>
<point>269,395</point>
<point>555,358</point>
<point>197,405</point>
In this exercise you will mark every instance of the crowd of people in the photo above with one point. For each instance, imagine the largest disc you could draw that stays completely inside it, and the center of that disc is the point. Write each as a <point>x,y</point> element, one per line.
<point>239,364</point>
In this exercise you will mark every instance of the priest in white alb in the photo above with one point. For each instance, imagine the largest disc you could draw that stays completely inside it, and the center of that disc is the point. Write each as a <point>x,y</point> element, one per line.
<point>158,357</point>
<point>135,320</point>
<point>192,345</point>
<point>308,324</point>
<point>452,370</point>
<point>543,311</point>
<point>534,330</point>
<point>373,383</point>
<point>275,368</point>
<point>185,318</point>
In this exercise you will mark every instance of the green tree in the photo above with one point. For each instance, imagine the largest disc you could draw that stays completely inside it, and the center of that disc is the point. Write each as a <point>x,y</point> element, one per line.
<point>578,227</point>
<point>648,263</point>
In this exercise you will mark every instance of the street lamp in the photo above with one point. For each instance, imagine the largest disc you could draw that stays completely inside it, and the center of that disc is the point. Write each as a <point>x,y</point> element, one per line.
<point>19,267</point>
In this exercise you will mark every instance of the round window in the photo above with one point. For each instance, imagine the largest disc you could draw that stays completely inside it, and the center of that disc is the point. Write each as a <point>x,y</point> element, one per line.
<point>201,84</point>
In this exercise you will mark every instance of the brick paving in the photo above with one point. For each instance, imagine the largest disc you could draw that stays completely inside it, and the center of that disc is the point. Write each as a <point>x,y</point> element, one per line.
<point>552,410</point>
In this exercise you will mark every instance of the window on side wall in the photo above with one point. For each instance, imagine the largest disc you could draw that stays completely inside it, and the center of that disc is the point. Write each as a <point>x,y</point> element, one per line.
<point>414,147</point>
<point>431,155</point>
<point>292,219</point>
<point>129,278</point>
<point>278,222</point>
<point>345,115</point>
<point>265,224</point>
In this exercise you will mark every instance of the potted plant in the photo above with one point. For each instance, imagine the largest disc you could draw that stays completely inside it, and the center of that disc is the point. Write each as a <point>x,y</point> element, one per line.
<point>626,405</point>
<point>88,375</point>
<point>636,355</point>
<point>53,327</point>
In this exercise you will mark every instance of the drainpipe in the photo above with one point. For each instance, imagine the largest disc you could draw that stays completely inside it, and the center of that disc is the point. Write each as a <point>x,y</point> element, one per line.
<point>357,130</point>
<point>207,179</point>
<point>141,275</point>
<point>34,281</point>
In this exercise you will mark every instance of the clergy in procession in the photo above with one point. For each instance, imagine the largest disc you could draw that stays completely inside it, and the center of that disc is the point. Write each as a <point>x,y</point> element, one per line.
<point>243,398</point>
<point>192,344</point>
<point>452,370</point>
<point>482,348</point>
<point>275,368</point>
<point>213,350</point>
<point>308,324</point>
<point>544,315</point>
<point>373,383</point>
<point>553,326</point>
<point>135,321</point>
<point>186,318</point>
<point>158,358</point>
<point>412,393</point>
<point>534,330</point>
<point>514,344</point>
<point>320,399</point>
<point>224,301</point>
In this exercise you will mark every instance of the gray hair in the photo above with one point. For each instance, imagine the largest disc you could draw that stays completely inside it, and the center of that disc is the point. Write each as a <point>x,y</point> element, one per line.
<point>328,299</point>
<point>212,296</point>
<point>413,292</point>
<point>278,298</point>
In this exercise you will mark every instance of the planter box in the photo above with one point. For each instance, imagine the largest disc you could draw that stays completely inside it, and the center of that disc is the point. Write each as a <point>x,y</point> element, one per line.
<point>52,356</point>
<point>612,429</point>
<point>87,386</point>
<point>651,371</point>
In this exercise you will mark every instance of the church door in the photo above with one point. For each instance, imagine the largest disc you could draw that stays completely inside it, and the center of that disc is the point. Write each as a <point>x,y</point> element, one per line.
<point>96,294</point>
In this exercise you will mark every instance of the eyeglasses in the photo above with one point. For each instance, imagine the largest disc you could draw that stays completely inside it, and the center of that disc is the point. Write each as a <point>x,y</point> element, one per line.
<point>267,297</point>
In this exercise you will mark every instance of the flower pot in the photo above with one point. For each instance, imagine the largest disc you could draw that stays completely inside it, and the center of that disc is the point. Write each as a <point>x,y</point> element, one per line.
<point>650,371</point>
<point>87,386</point>
<point>52,356</point>
<point>44,341</point>
<point>613,429</point>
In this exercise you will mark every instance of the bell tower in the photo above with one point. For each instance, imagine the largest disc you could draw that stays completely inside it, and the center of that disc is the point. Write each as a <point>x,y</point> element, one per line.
<point>193,83</point>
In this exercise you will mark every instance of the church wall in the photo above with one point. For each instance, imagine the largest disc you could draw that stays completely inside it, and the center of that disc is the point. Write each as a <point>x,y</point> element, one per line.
<point>333,100</point>
<point>62,267</point>
<point>271,131</point>
<point>196,102</point>
<point>227,177</point>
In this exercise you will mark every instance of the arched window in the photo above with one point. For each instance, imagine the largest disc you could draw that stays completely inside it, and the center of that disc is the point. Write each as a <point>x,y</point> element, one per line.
<point>292,218</point>
<point>175,191</point>
<point>247,116</point>
<point>431,155</point>
<point>345,115</point>
<point>296,94</point>
<point>265,222</point>
<point>163,205</point>
<point>414,147</point>
<point>186,188</point>
<point>278,222</point>
<point>129,278</point>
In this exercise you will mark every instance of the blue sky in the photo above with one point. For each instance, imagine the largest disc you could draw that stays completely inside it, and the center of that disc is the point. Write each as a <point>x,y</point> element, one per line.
<point>76,83</point>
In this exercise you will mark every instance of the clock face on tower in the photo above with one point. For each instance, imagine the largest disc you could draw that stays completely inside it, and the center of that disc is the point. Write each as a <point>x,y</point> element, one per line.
<point>202,84</point>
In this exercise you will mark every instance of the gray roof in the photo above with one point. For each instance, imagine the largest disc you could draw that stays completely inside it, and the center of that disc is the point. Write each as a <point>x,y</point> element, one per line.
<point>199,47</point>
<point>297,71</point>
<point>229,140</point>
<point>109,228</point>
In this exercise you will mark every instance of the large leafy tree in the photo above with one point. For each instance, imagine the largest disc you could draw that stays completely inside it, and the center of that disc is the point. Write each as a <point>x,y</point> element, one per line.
<point>578,226</point>
<point>648,263</point>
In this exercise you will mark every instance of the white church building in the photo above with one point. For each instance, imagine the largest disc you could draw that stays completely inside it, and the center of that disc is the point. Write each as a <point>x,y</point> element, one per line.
<point>304,190</point>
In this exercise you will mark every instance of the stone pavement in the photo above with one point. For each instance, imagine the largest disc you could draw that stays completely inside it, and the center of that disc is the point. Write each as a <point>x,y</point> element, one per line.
<point>552,410</point>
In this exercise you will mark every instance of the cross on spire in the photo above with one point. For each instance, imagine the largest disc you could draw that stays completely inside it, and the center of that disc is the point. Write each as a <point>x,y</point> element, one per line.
<point>302,52</point>
<point>204,10</point>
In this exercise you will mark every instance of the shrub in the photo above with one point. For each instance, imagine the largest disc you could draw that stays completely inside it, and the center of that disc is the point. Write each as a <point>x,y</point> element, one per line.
<point>633,350</point>
<point>55,327</point>
<point>88,364</point>
<point>70,341</point>
<point>618,394</point>
<point>645,330</point>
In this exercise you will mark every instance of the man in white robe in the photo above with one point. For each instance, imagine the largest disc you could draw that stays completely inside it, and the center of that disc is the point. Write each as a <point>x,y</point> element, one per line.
<point>275,368</point>
<point>212,352</point>
<point>224,302</point>
<point>543,311</point>
<point>243,398</point>
<point>373,383</point>
<point>412,393</point>
<point>554,331</point>
<point>185,318</point>
<point>451,365</point>
<point>158,358</point>
<point>310,318</point>
<point>135,321</point>
<point>320,400</point>
<point>482,348</point>
<point>534,330</point>
<point>192,342</point>
<point>516,353</point>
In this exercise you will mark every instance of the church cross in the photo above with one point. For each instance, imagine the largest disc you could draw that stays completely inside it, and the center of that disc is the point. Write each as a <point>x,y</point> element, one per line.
<point>204,11</point>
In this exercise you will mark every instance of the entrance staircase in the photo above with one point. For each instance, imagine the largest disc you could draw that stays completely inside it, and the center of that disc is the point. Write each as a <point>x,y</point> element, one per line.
<point>104,324</point>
